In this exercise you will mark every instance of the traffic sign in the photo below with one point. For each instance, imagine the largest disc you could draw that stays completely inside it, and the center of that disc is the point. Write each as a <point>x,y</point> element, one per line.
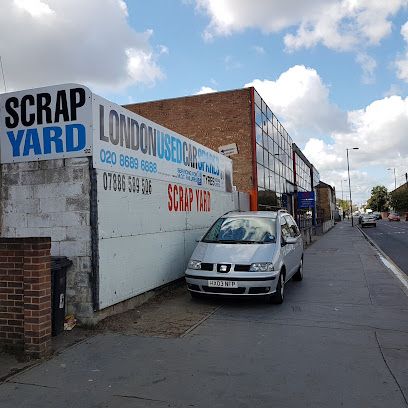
<point>229,149</point>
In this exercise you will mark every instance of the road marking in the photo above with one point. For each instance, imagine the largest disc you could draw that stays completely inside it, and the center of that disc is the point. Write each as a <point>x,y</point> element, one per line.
<point>387,261</point>
<point>395,270</point>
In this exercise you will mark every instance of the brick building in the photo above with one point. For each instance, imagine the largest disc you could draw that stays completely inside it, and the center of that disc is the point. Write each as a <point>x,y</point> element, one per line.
<point>264,166</point>
<point>326,202</point>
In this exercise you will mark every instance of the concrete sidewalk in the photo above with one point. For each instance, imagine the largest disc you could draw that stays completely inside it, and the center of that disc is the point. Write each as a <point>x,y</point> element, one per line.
<point>339,340</point>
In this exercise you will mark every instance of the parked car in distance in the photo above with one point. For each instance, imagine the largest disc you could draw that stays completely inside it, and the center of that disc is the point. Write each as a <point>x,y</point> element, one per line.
<point>247,253</point>
<point>377,215</point>
<point>368,219</point>
<point>393,217</point>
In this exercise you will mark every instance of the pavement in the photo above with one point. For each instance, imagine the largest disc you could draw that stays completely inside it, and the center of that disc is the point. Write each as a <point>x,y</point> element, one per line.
<point>339,340</point>
<point>392,238</point>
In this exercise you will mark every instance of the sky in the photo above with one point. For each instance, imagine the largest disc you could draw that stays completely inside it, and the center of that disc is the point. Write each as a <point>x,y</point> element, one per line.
<point>335,72</point>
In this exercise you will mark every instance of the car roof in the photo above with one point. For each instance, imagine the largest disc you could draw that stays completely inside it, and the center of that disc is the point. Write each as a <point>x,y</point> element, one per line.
<point>253,214</point>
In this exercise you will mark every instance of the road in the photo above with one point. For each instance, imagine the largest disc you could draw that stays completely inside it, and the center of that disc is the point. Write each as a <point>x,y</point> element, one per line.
<point>338,340</point>
<point>392,238</point>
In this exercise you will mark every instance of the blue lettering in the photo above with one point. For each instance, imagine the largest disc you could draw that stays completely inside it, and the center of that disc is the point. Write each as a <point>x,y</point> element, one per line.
<point>167,153</point>
<point>160,144</point>
<point>80,137</point>
<point>32,142</point>
<point>179,151</point>
<point>16,141</point>
<point>53,134</point>
<point>173,149</point>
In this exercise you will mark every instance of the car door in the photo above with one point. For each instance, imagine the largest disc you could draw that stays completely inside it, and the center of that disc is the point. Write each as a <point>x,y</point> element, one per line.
<point>298,246</point>
<point>287,250</point>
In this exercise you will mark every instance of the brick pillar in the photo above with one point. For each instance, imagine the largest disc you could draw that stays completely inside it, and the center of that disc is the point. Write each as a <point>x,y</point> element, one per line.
<point>25,294</point>
<point>11,294</point>
<point>37,296</point>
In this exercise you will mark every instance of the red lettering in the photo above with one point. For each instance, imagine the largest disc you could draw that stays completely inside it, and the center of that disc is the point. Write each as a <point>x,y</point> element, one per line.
<point>197,198</point>
<point>191,197</point>
<point>175,194</point>
<point>181,198</point>
<point>209,201</point>
<point>201,200</point>
<point>186,206</point>
<point>170,202</point>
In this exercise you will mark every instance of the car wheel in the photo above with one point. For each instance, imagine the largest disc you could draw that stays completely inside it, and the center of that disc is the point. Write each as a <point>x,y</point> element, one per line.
<point>298,276</point>
<point>277,297</point>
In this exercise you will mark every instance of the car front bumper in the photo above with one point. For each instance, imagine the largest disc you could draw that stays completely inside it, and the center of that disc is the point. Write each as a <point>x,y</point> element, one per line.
<point>248,283</point>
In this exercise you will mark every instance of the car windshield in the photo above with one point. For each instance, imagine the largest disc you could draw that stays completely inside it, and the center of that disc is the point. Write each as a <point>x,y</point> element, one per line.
<point>241,230</point>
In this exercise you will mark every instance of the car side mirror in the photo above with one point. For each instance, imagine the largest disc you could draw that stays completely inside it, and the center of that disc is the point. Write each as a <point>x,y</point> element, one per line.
<point>199,239</point>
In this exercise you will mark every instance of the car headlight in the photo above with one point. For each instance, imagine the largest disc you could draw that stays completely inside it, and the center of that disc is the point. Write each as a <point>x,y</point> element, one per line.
<point>194,264</point>
<point>261,267</point>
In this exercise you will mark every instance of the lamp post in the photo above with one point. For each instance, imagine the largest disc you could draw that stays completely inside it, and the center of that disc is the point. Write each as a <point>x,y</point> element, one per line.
<point>395,177</point>
<point>348,171</point>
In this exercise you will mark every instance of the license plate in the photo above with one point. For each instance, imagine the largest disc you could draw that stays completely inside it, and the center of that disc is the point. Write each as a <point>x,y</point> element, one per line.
<point>222,284</point>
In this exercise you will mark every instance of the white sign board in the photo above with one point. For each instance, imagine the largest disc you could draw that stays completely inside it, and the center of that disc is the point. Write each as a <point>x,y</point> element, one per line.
<point>229,149</point>
<point>45,123</point>
<point>157,192</point>
<point>147,233</point>
<point>125,142</point>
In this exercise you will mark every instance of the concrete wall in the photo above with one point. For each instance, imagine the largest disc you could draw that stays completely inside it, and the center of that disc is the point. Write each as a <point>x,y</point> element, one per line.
<point>52,199</point>
<point>241,201</point>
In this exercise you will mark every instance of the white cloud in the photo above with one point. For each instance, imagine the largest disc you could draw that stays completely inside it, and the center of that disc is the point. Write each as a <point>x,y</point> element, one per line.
<point>379,131</point>
<point>402,62</point>
<point>368,65</point>
<point>337,24</point>
<point>231,63</point>
<point>300,100</point>
<point>205,90</point>
<point>75,41</point>
<point>259,50</point>
<point>36,8</point>
<point>322,154</point>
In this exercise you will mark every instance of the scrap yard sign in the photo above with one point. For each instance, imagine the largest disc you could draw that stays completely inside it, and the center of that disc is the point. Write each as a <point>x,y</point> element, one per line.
<point>45,123</point>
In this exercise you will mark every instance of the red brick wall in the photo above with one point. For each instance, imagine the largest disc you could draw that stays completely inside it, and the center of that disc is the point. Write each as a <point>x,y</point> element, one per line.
<point>25,295</point>
<point>213,119</point>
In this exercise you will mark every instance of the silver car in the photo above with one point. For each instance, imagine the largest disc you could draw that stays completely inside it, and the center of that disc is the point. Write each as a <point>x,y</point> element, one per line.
<point>247,253</point>
<point>368,219</point>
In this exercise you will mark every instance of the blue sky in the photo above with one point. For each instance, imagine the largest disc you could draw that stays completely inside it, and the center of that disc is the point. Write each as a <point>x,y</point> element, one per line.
<point>334,71</point>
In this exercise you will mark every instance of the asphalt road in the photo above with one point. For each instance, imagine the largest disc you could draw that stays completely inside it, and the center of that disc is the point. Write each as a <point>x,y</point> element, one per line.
<point>339,340</point>
<point>392,238</point>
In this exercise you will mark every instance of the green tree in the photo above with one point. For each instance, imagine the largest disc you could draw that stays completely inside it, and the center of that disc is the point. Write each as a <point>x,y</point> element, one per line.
<point>343,204</point>
<point>399,199</point>
<point>379,199</point>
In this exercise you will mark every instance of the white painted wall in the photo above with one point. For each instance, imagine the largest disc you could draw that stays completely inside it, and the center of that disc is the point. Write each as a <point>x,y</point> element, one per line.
<point>142,245</point>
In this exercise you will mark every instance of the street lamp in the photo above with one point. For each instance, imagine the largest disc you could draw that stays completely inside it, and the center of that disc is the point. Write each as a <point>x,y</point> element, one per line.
<point>348,171</point>
<point>395,177</point>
